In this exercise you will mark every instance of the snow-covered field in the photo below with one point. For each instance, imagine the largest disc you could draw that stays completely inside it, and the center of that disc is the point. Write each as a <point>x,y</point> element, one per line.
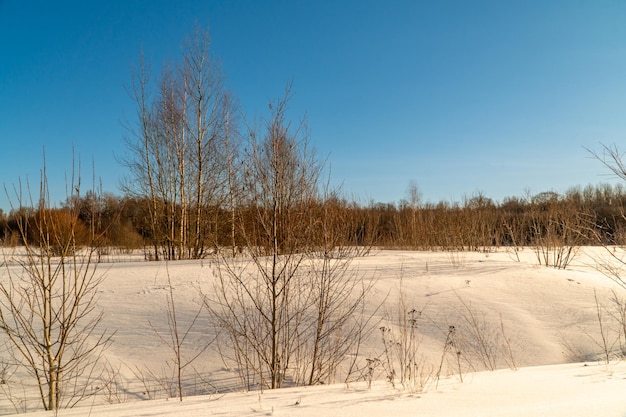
<point>541,323</point>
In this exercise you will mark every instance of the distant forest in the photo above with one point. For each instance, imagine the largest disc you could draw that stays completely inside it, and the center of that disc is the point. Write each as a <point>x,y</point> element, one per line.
<point>582,216</point>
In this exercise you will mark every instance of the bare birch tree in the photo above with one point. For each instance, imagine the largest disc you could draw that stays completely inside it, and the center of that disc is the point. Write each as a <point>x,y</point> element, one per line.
<point>177,151</point>
<point>231,153</point>
<point>141,162</point>
<point>48,308</point>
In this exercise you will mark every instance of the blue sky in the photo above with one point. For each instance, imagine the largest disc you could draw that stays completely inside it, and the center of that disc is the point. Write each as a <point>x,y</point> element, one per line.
<point>499,97</point>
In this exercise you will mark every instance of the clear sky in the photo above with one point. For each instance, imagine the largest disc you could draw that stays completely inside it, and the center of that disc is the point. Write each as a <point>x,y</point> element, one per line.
<point>497,96</point>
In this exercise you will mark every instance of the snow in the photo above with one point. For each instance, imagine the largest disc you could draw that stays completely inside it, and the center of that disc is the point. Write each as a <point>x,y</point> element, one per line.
<point>556,390</point>
<point>549,316</point>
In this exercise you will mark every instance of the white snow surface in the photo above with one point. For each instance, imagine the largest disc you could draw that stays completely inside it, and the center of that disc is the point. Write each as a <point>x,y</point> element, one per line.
<point>549,316</point>
<point>555,390</point>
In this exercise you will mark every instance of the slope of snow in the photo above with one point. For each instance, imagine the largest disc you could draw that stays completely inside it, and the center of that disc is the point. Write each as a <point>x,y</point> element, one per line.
<point>549,317</point>
<point>558,390</point>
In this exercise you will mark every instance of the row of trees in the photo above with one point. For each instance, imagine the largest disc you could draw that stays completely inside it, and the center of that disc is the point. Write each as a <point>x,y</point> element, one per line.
<point>581,216</point>
<point>589,216</point>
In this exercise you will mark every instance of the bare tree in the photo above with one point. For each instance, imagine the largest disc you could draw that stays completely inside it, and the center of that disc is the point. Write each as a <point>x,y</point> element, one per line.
<point>48,307</point>
<point>261,306</point>
<point>141,162</point>
<point>613,268</point>
<point>556,230</point>
<point>176,337</point>
<point>290,309</point>
<point>231,152</point>
<point>612,158</point>
<point>338,322</point>
<point>177,152</point>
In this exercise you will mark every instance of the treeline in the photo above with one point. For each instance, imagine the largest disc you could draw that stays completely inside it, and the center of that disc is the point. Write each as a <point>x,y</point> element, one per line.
<point>582,216</point>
